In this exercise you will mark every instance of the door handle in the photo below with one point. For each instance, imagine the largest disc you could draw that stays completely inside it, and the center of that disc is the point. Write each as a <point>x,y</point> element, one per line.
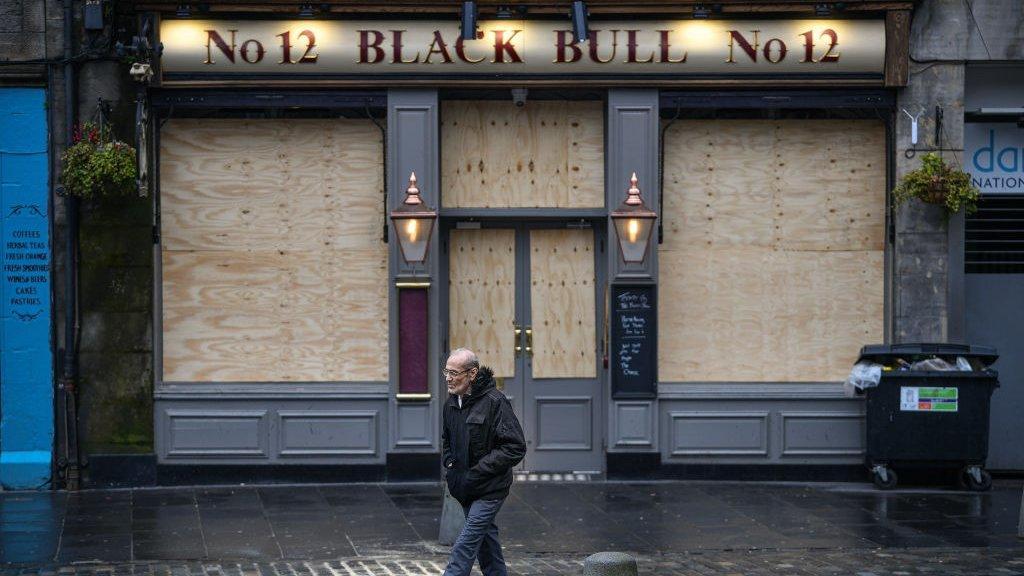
<point>529,341</point>
<point>518,346</point>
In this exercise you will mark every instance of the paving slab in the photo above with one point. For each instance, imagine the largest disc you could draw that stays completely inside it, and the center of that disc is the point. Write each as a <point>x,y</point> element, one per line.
<point>547,528</point>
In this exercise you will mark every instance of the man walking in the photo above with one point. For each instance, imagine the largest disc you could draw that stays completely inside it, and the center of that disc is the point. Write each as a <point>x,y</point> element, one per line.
<point>482,440</point>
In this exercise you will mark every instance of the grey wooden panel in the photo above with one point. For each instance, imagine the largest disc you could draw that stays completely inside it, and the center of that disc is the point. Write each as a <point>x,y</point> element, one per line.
<point>633,424</point>
<point>632,146</point>
<point>216,433</point>
<point>564,422</point>
<point>327,432</point>
<point>822,433</point>
<point>718,433</point>
<point>413,144</point>
<point>414,425</point>
<point>811,430</point>
<point>270,430</point>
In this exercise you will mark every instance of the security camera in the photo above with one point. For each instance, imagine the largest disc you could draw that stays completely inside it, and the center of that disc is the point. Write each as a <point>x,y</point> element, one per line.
<point>141,72</point>
<point>519,96</point>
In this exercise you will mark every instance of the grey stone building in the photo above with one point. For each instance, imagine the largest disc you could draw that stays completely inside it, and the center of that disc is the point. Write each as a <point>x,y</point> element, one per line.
<point>960,282</point>
<point>251,315</point>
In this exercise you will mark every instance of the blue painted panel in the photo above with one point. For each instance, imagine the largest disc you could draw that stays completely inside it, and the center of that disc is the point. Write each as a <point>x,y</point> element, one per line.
<point>26,357</point>
<point>23,120</point>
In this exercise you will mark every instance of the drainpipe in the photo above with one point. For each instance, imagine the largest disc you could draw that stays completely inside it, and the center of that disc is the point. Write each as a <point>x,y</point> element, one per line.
<point>69,365</point>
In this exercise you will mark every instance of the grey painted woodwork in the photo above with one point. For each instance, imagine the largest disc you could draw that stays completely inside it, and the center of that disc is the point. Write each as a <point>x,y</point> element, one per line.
<point>762,431</point>
<point>633,426</point>
<point>271,431</point>
<point>632,146</point>
<point>995,317</point>
<point>413,145</point>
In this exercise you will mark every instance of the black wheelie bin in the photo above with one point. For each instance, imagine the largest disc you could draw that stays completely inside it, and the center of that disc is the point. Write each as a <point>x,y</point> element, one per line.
<point>930,418</point>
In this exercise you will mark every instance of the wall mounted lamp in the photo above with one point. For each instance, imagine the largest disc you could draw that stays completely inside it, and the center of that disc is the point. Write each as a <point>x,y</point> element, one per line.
<point>633,224</point>
<point>413,222</point>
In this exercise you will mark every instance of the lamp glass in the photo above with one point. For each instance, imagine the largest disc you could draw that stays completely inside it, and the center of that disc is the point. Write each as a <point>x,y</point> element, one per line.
<point>634,233</point>
<point>413,236</point>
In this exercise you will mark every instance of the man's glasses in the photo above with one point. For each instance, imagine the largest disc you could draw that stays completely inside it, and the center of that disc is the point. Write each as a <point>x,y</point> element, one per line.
<point>453,373</point>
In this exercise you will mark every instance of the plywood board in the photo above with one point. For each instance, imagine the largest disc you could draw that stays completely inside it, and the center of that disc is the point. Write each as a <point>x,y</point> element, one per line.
<point>773,265</point>
<point>545,154</point>
<point>270,184</point>
<point>273,267</point>
<point>562,303</point>
<point>482,304</point>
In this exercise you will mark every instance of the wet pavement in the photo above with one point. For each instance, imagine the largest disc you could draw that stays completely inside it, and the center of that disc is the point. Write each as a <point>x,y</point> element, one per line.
<point>566,520</point>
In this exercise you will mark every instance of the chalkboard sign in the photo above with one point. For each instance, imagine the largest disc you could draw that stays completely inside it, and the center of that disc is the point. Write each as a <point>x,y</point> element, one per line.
<point>634,339</point>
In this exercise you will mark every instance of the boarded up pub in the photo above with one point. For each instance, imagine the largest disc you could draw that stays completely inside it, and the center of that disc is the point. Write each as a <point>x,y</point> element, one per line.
<point>302,315</point>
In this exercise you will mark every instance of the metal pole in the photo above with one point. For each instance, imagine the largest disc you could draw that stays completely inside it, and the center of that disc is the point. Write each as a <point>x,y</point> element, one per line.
<point>69,364</point>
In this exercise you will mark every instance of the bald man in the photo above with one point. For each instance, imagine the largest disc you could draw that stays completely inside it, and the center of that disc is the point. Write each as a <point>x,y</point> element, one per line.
<point>482,440</point>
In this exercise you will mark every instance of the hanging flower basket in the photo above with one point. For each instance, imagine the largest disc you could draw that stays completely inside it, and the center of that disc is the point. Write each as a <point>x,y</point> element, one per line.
<point>935,182</point>
<point>96,165</point>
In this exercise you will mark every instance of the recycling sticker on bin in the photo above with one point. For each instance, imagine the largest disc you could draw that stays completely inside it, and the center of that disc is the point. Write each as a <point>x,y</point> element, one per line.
<point>921,399</point>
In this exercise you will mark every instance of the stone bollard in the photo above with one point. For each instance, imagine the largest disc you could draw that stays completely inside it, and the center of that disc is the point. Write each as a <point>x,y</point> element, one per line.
<point>452,519</point>
<point>609,564</point>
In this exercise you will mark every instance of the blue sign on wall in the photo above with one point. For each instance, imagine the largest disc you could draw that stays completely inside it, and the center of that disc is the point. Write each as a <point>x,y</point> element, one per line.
<point>26,359</point>
<point>994,156</point>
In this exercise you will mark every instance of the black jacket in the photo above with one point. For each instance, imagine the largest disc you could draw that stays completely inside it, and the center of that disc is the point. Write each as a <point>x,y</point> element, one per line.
<point>481,442</point>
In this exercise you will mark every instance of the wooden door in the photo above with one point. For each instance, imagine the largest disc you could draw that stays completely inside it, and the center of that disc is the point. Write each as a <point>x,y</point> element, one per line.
<point>563,400</point>
<point>483,302</point>
<point>523,297</point>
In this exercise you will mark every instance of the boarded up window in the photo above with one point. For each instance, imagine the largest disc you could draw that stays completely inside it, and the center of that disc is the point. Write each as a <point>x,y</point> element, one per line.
<point>772,267</point>
<point>495,154</point>
<point>272,263</point>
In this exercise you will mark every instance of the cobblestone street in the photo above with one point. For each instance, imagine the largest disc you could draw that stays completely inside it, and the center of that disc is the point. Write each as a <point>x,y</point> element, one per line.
<point>860,562</point>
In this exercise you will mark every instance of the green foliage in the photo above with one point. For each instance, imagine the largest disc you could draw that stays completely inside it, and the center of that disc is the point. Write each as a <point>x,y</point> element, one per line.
<point>96,165</point>
<point>936,182</point>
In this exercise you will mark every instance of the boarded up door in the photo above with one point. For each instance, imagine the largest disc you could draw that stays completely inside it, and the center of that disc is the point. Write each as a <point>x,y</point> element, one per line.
<point>523,298</point>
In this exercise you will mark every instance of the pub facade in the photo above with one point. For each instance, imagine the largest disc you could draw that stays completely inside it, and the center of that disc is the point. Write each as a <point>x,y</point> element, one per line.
<point>293,333</point>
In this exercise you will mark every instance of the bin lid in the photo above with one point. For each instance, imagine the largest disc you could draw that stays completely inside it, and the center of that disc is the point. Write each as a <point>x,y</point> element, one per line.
<point>876,352</point>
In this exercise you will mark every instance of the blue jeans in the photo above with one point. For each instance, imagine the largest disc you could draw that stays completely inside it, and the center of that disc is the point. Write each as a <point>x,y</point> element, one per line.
<point>479,538</point>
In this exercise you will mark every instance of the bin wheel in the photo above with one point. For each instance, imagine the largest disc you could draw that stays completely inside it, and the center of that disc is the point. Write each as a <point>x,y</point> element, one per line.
<point>889,482</point>
<point>968,481</point>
